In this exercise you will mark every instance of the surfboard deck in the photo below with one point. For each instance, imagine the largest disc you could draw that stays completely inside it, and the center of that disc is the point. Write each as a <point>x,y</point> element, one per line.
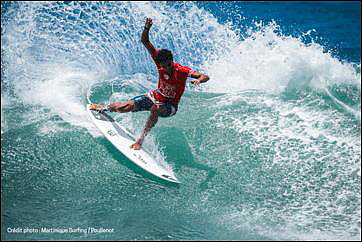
<point>122,140</point>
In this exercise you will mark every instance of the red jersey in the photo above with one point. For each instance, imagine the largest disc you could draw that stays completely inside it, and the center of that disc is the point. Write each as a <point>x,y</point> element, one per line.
<point>171,88</point>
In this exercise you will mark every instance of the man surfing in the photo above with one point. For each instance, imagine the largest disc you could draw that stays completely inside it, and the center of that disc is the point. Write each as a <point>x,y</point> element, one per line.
<point>162,102</point>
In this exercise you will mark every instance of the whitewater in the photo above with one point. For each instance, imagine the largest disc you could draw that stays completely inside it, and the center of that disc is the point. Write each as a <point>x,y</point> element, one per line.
<point>268,149</point>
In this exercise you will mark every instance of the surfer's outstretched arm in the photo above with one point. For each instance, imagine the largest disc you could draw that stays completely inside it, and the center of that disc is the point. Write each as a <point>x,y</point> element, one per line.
<point>145,38</point>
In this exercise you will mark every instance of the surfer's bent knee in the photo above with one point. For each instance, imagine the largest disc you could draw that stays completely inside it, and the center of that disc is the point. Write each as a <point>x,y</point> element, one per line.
<point>144,103</point>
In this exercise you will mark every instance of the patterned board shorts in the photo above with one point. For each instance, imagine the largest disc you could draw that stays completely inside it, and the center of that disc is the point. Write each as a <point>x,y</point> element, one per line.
<point>144,103</point>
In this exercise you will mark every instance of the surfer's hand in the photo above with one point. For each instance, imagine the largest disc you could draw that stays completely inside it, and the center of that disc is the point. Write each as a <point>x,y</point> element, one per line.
<point>136,146</point>
<point>148,23</point>
<point>196,82</point>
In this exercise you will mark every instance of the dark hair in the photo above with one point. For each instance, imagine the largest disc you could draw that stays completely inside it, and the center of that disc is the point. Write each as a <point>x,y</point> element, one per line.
<point>164,55</point>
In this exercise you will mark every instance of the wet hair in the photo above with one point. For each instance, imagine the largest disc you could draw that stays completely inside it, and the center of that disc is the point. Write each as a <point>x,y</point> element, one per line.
<point>163,56</point>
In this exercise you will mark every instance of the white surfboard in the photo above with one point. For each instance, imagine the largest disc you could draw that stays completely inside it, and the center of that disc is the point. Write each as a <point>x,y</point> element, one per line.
<point>122,140</point>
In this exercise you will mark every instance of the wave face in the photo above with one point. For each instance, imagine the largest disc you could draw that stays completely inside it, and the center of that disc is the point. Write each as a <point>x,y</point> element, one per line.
<point>268,149</point>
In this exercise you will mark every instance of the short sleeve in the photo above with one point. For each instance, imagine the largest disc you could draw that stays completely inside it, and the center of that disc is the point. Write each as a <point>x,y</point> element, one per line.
<point>185,70</point>
<point>191,72</point>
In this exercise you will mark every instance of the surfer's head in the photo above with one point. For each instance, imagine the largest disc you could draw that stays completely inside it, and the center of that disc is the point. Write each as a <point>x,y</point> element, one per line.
<point>164,55</point>
<point>165,59</point>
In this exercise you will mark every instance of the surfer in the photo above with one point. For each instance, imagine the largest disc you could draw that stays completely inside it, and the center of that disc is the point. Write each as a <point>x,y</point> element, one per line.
<point>162,102</point>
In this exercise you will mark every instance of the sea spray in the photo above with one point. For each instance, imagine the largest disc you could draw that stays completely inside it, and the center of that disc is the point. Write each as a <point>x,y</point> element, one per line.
<point>278,162</point>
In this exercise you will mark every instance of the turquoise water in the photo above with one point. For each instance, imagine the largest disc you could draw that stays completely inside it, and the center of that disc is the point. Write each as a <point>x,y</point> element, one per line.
<point>268,149</point>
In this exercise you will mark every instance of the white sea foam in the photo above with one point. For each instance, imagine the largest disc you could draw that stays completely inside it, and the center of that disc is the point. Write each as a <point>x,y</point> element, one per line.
<point>3,120</point>
<point>54,53</point>
<point>269,60</point>
<point>315,154</point>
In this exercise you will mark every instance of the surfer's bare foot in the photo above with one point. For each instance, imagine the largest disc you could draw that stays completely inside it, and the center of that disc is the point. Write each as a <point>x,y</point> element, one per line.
<point>136,146</point>
<point>98,107</point>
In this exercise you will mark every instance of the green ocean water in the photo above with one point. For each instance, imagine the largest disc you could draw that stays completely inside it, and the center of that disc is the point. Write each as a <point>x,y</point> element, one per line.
<point>242,176</point>
<point>270,151</point>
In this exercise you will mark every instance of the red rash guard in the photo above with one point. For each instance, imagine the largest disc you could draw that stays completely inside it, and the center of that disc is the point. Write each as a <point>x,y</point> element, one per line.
<point>171,88</point>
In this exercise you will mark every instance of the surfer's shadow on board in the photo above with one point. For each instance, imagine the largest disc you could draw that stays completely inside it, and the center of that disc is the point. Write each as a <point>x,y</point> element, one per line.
<point>124,161</point>
<point>178,152</point>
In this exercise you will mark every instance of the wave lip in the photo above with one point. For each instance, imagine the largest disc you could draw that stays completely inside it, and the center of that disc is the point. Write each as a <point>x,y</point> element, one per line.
<point>285,163</point>
<point>266,59</point>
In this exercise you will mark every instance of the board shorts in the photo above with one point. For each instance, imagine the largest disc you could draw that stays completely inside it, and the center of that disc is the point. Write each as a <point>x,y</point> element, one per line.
<point>145,103</point>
